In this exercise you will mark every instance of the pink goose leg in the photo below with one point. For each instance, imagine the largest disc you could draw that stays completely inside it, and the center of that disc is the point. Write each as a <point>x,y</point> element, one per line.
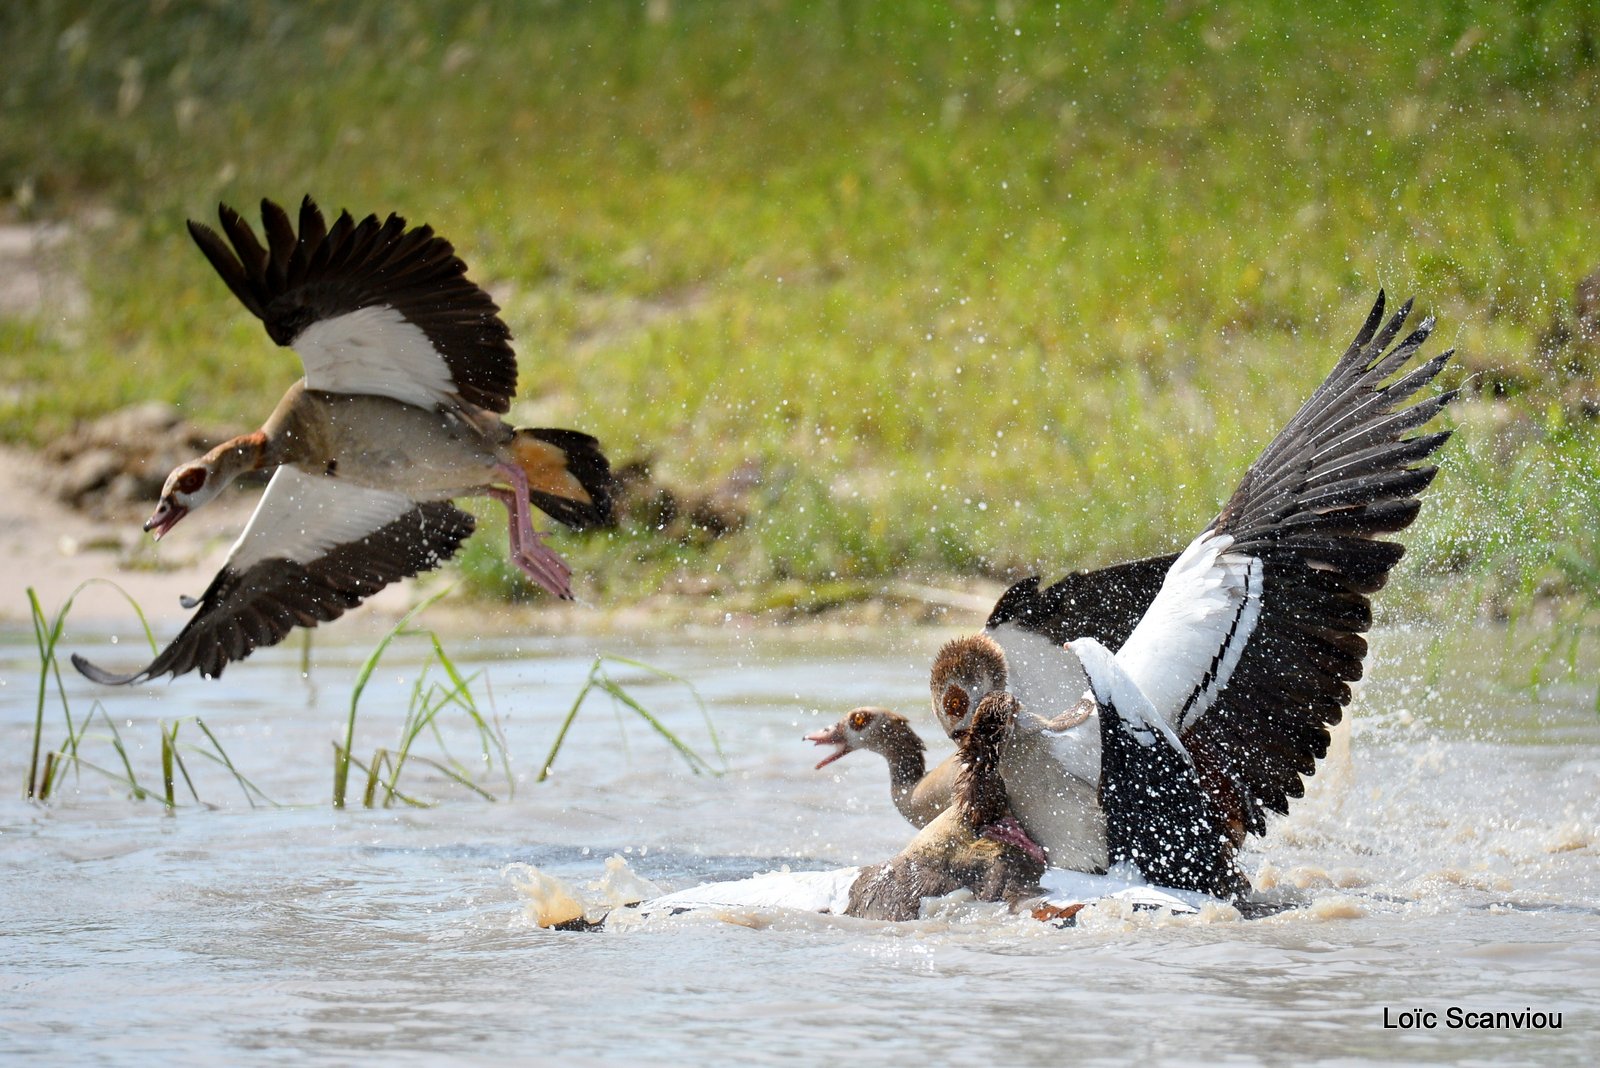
<point>535,559</point>
<point>1010,831</point>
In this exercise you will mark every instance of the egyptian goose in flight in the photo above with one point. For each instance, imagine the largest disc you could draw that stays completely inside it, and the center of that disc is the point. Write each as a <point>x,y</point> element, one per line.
<point>408,368</point>
<point>918,794</point>
<point>1232,658</point>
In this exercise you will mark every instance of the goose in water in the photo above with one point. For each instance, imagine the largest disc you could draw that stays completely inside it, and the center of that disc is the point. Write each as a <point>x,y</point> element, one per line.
<point>918,794</point>
<point>408,368</point>
<point>1237,653</point>
<point>976,844</point>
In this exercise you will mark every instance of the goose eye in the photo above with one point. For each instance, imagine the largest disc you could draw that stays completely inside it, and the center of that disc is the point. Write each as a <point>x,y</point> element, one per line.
<point>858,721</point>
<point>191,480</point>
<point>955,702</point>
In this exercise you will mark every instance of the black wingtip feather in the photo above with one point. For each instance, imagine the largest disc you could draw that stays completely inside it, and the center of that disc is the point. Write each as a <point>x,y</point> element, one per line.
<point>94,673</point>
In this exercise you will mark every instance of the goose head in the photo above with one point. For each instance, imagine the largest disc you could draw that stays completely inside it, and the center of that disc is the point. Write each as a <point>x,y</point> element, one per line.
<point>188,487</point>
<point>965,672</point>
<point>877,729</point>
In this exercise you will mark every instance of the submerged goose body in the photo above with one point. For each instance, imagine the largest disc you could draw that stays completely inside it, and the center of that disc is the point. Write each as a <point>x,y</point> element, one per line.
<point>408,368</point>
<point>1226,663</point>
<point>1061,894</point>
<point>976,845</point>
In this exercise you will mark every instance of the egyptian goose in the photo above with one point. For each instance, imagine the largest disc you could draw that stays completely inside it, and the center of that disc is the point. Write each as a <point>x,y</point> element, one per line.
<point>918,794</point>
<point>976,844</point>
<point>1240,649</point>
<point>407,369</point>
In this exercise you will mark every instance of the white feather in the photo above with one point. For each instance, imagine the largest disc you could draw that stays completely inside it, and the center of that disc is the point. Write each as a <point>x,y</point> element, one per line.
<point>1066,888</point>
<point>1190,639</point>
<point>1115,688</point>
<point>1045,678</point>
<point>302,517</point>
<point>809,891</point>
<point>375,350</point>
<point>829,891</point>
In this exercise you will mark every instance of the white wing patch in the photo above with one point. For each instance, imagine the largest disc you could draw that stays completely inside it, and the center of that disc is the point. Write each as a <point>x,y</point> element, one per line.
<point>375,350</point>
<point>302,517</point>
<point>1189,641</point>
<point>1117,690</point>
<point>1047,679</point>
<point>810,891</point>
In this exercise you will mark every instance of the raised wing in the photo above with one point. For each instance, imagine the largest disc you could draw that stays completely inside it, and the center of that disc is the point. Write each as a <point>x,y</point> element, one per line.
<point>1104,605</point>
<point>370,307</point>
<point>1252,660</point>
<point>314,548</point>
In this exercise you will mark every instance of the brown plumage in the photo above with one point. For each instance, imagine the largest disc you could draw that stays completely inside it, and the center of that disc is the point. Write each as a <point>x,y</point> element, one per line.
<point>975,844</point>
<point>919,794</point>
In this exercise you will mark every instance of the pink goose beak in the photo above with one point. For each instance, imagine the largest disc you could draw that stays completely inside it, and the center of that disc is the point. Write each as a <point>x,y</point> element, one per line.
<point>165,517</point>
<point>833,735</point>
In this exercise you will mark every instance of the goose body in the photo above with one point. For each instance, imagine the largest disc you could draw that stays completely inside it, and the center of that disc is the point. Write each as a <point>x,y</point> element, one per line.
<point>1220,669</point>
<point>408,368</point>
<point>976,844</point>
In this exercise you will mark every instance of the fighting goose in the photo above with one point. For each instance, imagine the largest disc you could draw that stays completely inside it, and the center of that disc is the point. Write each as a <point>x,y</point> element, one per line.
<point>919,795</point>
<point>976,844</point>
<point>1241,654</point>
<point>407,369</point>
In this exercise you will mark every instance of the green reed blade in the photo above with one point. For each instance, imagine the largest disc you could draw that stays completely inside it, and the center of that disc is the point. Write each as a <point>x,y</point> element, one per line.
<point>343,754</point>
<point>566,724</point>
<point>221,757</point>
<point>166,766</point>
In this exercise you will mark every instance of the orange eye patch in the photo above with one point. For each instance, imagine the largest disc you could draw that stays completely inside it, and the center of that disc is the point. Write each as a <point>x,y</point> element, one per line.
<point>191,480</point>
<point>955,702</point>
<point>858,721</point>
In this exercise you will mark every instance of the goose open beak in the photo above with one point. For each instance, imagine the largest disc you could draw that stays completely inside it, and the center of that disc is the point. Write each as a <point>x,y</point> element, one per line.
<point>165,517</point>
<point>833,735</point>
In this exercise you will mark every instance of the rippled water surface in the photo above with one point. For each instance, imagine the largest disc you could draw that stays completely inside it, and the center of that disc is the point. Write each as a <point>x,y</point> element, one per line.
<point>1447,856</point>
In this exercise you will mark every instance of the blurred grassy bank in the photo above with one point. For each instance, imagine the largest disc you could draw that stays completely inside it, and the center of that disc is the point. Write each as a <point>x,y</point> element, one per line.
<point>974,287</point>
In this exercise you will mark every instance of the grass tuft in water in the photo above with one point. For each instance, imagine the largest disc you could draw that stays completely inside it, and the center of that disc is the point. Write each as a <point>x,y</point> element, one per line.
<point>42,785</point>
<point>600,679</point>
<point>428,699</point>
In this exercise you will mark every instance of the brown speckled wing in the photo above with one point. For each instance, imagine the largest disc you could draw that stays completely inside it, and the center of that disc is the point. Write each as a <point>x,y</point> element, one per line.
<point>258,606</point>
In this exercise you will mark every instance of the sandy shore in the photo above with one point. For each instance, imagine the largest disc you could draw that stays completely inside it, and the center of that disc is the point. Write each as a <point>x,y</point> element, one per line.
<point>54,549</point>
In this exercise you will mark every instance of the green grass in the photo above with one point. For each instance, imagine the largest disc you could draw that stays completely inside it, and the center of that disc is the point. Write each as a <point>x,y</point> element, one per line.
<point>429,698</point>
<point>43,783</point>
<point>950,272</point>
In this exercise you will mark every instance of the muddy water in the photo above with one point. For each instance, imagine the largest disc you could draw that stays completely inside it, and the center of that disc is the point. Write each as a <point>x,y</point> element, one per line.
<point>1447,857</point>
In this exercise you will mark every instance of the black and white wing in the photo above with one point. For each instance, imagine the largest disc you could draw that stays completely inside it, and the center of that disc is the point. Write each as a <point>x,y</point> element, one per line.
<point>1105,604</point>
<point>370,307</point>
<point>1159,816</point>
<point>314,548</point>
<point>1249,648</point>
<point>1031,625</point>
